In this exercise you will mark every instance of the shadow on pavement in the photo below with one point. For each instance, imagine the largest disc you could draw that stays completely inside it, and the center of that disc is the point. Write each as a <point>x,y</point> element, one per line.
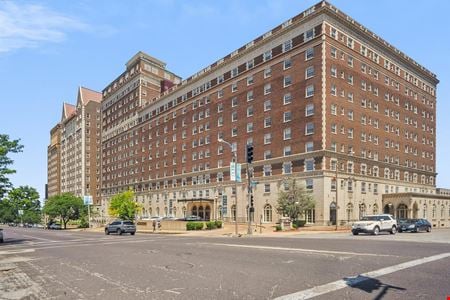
<point>371,285</point>
<point>14,241</point>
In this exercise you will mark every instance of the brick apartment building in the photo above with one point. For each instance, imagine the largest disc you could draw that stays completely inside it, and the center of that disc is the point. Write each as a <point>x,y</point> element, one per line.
<point>74,151</point>
<point>320,97</point>
<point>54,162</point>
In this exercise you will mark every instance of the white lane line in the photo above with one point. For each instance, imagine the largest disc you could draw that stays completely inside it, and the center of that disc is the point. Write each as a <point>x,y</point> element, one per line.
<point>37,238</point>
<point>352,281</point>
<point>18,251</point>
<point>301,250</point>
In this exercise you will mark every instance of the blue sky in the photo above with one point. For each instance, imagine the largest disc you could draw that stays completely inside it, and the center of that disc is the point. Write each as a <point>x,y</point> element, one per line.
<point>49,48</point>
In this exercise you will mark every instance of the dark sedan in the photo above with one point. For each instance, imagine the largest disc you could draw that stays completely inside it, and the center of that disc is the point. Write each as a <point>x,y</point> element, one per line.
<point>414,225</point>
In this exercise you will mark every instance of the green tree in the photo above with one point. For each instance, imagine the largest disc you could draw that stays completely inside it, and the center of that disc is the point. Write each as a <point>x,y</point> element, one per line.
<point>25,198</point>
<point>123,206</point>
<point>295,200</point>
<point>7,211</point>
<point>65,206</point>
<point>6,147</point>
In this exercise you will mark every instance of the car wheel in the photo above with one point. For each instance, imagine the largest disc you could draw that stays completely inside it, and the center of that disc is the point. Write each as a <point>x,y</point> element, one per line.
<point>355,232</point>
<point>119,232</point>
<point>393,230</point>
<point>376,230</point>
<point>106,231</point>
<point>132,233</point>
<point>428,229</point>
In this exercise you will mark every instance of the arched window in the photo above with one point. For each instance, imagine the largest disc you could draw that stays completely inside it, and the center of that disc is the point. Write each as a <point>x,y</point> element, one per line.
<point>349,212</point>
<point>157,211</point>
<point>184,212</point>
<point>166,211</point>
<point>442,211</point>
<point>194,211</point>
<point>433,213</point>
<point>362,210</point>
<point>425,210</point>
<point>375,209</point>
<point>402,211</point>
<point>201,212</point>
<point>233,213</point>
<point>268,213</point>
<point>150,211</point>
<point>174,211</point>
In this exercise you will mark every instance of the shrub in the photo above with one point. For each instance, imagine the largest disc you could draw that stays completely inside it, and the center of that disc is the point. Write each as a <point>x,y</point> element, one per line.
<point>298,223</point>
<point>219,224</point>
<point>211,225</point>
<point>83,223</point>
<point>278,228</point>
<point>194,225</point>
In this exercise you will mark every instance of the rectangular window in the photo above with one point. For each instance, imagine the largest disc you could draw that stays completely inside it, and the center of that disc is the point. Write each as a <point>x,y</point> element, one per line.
<point>287,98</point>
<point>333,71</point>
<point>267,154</point>
<point>287,45</point>
<point>250,64</point>
<point>309,146</point>
<point>287,134</point>
<point>309,128</point>
<point>267,55</point>
<point>333,52</point>
<point>267,170</point>
<point>249,127</point>
<point>287,116</point>
<point>287,64</point>
<point>267,105</point>
<point>234,102</point>
<point>234,116</point>
<point>234,87</point>
<point>267,89</point>
<point>267,138</point>
<point>250,80</point>
<point>249,95</point>
<point>309,109</point>
<point>309,35</point>
<point>309,72</point>
<point>267,122</point>
<point>309,53</point>
<point>234,72</point>
<point>267,72</point>
<point>250,111</point>
<point>287,151</point>
<point>234,131</point>
<point>266,187</point>
<point>309,91</point>
<point>219,93</point>
<point>309,164</point>
<point>287,81</point>
<point>287,167</point>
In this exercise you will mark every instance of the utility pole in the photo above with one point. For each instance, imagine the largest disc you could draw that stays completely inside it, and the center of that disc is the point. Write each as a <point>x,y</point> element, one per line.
<point>337,207</point>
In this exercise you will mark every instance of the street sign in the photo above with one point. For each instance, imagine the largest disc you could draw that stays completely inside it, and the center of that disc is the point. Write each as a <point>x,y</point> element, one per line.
<point>87,200</point>
<point>235,172</point>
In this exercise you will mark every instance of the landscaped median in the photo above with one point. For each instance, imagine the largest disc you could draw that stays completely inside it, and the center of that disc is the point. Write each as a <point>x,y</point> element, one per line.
<point>175,225</point>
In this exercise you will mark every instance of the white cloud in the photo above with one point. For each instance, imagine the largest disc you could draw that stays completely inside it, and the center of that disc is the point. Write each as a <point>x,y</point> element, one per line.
<point>27,25</point>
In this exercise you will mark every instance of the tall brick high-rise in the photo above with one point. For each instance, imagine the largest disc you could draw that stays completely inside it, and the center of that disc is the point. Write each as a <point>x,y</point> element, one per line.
<point>320,97</point>
<point>74,151</point>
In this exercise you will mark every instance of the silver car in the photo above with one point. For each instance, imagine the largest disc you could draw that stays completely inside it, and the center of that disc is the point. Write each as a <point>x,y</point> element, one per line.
<point>120,227</point>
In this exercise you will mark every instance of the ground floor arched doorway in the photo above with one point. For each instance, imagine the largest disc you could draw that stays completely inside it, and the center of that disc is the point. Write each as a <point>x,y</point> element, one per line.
<point>333,213</point>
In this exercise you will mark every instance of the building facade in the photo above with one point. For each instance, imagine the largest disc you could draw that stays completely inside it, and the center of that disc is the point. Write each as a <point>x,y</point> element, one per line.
<point>54,162</point>
<point>320,97</point>
<point>80,146</point>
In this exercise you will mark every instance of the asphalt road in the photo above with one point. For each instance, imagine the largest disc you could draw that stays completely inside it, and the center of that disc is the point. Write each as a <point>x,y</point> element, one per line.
<point>41,264</point>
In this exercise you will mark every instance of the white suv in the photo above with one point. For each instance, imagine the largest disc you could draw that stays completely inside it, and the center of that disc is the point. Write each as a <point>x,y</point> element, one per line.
<point>374,224</point>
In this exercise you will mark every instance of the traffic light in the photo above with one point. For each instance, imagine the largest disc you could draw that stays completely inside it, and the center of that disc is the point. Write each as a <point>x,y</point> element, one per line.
<point>249,154</point>
<point>251,201</point>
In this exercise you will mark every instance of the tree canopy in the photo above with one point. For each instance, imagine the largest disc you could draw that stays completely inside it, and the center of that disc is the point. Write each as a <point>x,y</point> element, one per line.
<point>123,206</point>
<point>6,147</point>
<point>293,201</point>
<point>65,206</point>
<point>23,198</point>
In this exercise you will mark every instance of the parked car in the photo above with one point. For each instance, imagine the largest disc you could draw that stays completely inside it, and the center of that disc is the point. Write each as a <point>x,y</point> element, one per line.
<point>120,226</point>
<point>192,218</point>
<point>374,224</point>
<point>414,225</point>
<point>54,226</point>
<point>1,235</point>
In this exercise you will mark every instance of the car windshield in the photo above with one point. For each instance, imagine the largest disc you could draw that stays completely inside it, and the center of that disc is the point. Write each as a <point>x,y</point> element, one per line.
<point>369,218</point>
<point>128,223</point>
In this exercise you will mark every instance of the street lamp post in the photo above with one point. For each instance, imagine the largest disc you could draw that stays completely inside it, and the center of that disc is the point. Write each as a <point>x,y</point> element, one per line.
<point>337,207</point>
<point>235,181</point>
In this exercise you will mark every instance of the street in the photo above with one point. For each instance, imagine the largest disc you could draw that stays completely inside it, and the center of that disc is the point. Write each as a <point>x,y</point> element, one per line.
<point>43,264</point>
